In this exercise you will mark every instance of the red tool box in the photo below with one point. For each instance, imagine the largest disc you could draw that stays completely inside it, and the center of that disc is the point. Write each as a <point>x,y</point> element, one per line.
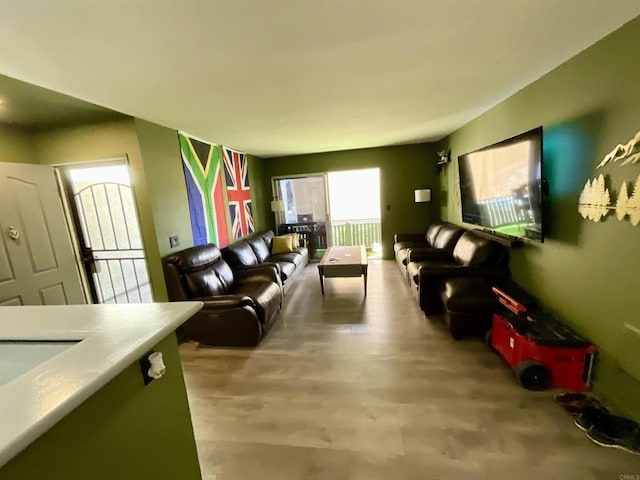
<point>542,351</point>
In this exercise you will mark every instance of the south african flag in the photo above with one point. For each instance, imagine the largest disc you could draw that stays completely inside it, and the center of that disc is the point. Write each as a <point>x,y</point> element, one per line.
<point>202,171</point>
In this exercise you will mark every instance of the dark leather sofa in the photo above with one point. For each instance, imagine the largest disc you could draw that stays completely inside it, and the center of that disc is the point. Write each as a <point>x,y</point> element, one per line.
<point>473,256</point>
<point>239,307</point>
<point>255,250</point>
<point>459,281</point>
<point>440,236</point>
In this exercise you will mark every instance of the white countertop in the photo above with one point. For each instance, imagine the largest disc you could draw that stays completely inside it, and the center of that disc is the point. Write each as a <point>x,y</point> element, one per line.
<point>112,338</point>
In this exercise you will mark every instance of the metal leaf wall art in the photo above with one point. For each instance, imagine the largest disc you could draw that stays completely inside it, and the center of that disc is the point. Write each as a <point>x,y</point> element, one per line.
<point>595,199</point>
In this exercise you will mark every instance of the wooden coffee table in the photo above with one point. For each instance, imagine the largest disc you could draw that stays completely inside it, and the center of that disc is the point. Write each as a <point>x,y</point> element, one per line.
<point>343,262</point>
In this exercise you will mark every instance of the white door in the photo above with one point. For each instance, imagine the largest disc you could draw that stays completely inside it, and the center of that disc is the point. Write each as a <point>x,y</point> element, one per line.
<point>37,263</point>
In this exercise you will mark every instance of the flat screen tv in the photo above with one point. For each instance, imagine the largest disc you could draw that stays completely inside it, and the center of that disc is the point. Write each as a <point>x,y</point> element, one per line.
<point>501,186</point>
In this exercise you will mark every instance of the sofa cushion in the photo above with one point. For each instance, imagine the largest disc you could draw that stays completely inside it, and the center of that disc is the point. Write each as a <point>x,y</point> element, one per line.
<point>448,236</point>
<point>258,246</point>
<point>286,269</point>
<point>474,251</point>
<point>203,283</point>
<point>204,273</point>
<point>239,254</point>
<point>195,258</point>
<point>224,273</point>
<point>303,251</point>
<point>291,257</point>
<point>468,295</point>
<point>267,236</point>
<point>432,233</point>
<point>295,239</point>
<point>404,245</point>
<point>282,244</point>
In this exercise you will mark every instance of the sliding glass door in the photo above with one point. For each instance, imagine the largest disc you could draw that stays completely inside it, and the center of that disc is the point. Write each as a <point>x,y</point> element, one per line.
<point>334,208</point>
<point>306,210</point>
<point>354,200</point>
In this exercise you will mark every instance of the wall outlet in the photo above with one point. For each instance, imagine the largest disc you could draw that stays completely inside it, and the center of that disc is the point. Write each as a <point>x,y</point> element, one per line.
<point>174,241</point>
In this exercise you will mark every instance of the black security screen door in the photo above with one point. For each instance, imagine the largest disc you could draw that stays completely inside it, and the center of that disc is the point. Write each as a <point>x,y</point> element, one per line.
<point>103,208</point>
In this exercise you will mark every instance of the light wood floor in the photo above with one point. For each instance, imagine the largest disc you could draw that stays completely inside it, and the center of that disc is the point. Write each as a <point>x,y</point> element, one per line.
<point>347,388</point>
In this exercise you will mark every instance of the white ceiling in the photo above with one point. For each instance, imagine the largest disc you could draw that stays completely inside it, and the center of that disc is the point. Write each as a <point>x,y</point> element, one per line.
<point>280,77</point>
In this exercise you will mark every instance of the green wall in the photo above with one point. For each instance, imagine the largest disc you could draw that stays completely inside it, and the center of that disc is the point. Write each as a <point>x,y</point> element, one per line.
<point>124,431</point>
<point>403,169</point>
<point>585,272</point>
<point>260,193</point>
<point>153,153</point>
<point>16,146</point>
<point>165,184</point>
<point>108,141</point>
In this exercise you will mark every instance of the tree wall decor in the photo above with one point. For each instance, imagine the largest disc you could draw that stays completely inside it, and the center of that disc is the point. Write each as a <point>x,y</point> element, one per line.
<point>595,200</point>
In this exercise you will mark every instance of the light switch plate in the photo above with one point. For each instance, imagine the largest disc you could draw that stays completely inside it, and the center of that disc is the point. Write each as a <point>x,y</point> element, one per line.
<point>174,241</point>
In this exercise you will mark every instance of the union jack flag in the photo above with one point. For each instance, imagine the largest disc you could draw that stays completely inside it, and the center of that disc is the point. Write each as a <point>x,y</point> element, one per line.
<point>238,192</point>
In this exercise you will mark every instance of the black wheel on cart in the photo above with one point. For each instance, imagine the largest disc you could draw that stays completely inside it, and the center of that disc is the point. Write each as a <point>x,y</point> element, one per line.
<point>533,375</point>
<point>488,340</point>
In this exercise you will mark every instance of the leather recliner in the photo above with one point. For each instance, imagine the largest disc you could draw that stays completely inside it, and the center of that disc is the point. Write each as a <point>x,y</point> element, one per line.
<point>473,256</point>
<point>239,307</point>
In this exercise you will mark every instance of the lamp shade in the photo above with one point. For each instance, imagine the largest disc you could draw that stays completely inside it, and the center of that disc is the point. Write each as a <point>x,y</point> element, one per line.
<point>277,205</point>
<point>423,195</point>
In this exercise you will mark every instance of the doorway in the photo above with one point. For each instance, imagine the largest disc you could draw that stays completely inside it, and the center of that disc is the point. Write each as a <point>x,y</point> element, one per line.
<point>102,206</point>
<point>334,208</point>
<point>306,210</point>
<point>354,202</point>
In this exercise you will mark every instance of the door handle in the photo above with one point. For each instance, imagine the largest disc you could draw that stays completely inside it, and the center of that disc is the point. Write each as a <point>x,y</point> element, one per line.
<point>88,259</point>
<point>13,232</point>
<point>87,255</point>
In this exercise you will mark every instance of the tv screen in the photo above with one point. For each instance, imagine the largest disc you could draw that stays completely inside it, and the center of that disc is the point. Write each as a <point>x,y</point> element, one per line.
<point>501,186</point>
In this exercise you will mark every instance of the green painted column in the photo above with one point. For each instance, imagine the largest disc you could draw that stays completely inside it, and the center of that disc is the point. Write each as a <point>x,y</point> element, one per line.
<point>126,431</point>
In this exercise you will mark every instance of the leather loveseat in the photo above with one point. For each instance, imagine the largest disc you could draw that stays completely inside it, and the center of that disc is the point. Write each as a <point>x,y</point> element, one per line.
<point>473,256</point>
<point>255,250</point>
<point>239,307</point>
<point>460,284</point>
<point>440,237</point>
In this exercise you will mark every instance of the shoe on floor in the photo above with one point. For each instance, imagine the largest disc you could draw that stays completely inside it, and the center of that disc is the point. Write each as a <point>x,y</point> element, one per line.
<point>590,416</point>
<point>568,397</point>
<point>633,446</point>
<point>575,403</point>
<point>615,432</point>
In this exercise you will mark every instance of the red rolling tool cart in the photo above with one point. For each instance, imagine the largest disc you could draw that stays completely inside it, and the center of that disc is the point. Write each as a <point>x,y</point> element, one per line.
<point>542,351</point>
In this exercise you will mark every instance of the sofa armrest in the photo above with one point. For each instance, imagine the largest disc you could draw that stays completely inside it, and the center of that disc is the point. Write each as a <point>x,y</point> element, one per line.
<point>432,254</point>
<point>223,302</point>
<point>409,237</point>
<point>265,272</point>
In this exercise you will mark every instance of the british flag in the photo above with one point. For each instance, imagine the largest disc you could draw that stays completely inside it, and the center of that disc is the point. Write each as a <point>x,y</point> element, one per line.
<point>238,192</point>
